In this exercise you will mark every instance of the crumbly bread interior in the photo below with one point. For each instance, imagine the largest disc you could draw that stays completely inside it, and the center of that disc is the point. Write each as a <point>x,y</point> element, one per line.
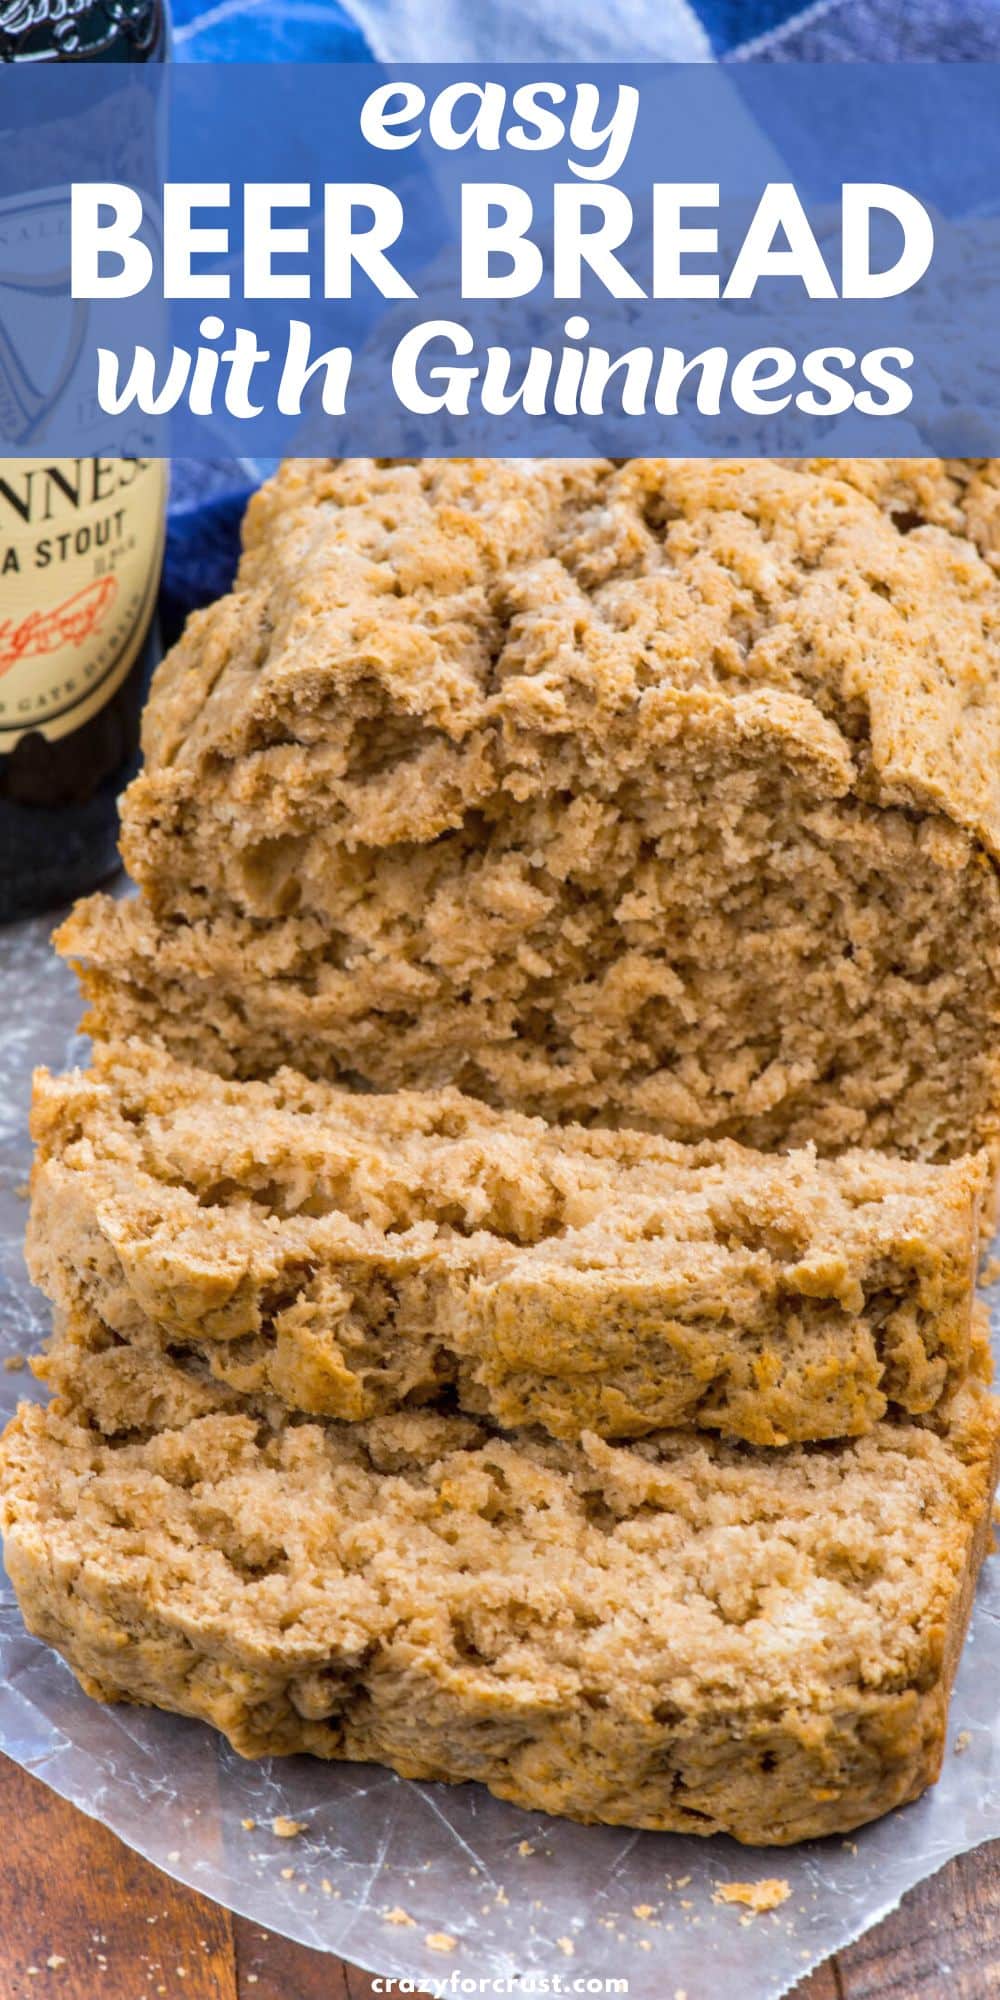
<point>353,1254</point>
<point>680,1634</point>
<point>664,793</point>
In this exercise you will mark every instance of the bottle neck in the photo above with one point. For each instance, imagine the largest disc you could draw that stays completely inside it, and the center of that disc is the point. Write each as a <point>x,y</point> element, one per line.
<point>117,31</point>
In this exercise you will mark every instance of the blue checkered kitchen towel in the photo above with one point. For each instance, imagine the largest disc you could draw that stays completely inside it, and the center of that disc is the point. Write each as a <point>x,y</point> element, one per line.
<point>208,500</point>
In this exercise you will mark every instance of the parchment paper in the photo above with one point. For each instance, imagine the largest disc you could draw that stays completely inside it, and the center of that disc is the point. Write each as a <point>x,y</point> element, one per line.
<point>515,1902</point>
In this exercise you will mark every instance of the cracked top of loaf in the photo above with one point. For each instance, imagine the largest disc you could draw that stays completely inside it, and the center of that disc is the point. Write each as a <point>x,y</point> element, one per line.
<point>523,627</point>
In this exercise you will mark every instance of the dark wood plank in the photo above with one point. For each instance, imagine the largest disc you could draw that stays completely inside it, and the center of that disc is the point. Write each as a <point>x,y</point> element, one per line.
<point>822,1984</point>
<point>943,1943</point>
<point>273,1968</point>
<point>92,1917</point>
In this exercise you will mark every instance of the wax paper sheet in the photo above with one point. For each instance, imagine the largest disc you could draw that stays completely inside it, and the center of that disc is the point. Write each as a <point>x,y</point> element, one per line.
<point>439,1885</point>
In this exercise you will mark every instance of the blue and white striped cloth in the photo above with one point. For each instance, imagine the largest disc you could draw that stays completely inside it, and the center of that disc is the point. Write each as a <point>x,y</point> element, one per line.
<point>587,30</point>
<point>208,500</point>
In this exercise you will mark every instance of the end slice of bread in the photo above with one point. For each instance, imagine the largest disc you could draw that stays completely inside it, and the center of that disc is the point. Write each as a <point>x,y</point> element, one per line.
<point>679,1634</point>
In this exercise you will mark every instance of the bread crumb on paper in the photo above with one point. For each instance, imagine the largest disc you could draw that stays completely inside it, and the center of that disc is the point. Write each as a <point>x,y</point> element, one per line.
<point>248,1825</point>
<point>398,1916</point>
<point>13,1363</point>
<point>286,1829</point>
<point>440,1941</point>
<point>767,1894</point>
<point>962,1741</point>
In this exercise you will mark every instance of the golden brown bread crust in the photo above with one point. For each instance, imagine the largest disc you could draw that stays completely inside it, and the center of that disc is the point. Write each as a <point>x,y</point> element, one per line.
<point>683,1634</point>
<point>661,793</point>
<point>462,602</point>
<point>352,1254</point>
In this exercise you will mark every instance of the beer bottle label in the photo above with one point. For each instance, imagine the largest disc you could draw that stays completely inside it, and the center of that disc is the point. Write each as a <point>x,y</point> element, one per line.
<point>79,30</point>
<point>80,549</point>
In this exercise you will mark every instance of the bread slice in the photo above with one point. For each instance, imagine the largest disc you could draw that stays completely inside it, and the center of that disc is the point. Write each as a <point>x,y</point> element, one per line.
<point>680,1633</point>
<point>352,1254</point>
<point>664,793</point>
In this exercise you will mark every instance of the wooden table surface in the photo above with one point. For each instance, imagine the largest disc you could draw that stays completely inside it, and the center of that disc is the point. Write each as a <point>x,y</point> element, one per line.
<point>83,1918</point>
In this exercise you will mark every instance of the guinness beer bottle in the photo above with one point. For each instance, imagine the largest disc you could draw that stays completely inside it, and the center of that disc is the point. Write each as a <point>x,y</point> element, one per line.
<point>81,543</point>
